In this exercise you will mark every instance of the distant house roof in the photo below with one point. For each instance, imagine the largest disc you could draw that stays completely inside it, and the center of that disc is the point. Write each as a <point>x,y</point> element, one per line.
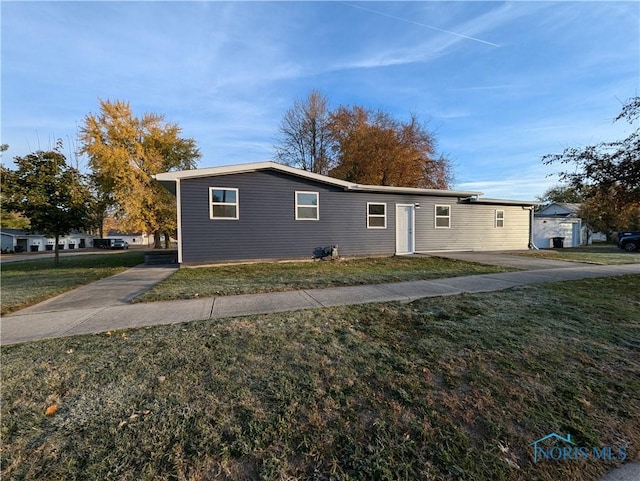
<point>558,209</point>
<point>27,233</point>
<point>19,232</point>
<point>168,179</point>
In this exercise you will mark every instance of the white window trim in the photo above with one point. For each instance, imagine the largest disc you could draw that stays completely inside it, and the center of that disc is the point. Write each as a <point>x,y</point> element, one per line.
<point>317,206</point>
<point>212,203</point>
<point>499,219</point>
<point>384,216</point>
<point>436,216</point>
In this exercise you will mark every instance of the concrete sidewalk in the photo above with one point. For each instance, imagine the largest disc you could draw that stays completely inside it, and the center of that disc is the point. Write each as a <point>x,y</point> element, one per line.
<point>115,290</point>
<point>58,317</point>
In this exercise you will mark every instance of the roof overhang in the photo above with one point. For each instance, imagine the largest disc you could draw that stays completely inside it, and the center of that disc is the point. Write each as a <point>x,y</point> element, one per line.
<point>413,190</point>
<point>168,179</point>
<point>482,200</point>
<point>171,177</point>
<point>251,167</point>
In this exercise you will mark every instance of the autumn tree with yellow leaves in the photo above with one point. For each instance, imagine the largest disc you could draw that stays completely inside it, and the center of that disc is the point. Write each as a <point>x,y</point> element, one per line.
<point>124,153</point>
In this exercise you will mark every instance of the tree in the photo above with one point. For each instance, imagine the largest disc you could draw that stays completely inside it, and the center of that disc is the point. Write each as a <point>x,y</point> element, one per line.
<point>608,175</point>
<point>374,148</point>
<point>124,152</point>
<point>563,194</point>
<point>52,195</point>
<point>9,220</point>
<point>304,137</point>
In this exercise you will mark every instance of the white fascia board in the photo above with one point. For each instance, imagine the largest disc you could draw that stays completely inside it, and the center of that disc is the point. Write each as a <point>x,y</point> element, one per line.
<point>250,167</point>
<point>414,190</point>
<point>526,203</point>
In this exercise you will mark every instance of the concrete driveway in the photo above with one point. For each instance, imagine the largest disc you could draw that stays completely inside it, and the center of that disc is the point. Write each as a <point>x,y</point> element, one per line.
<point>507,259</point>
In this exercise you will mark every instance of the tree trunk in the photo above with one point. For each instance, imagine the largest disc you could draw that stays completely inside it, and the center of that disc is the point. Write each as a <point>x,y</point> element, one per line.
<point>167,240</point>
<point>56,257</point>
<point>157,241</point>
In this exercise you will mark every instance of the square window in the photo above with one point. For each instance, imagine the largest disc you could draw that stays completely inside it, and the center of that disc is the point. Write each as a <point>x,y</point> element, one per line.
<point>443,216</point>
<point>307,206</point>
<point>376,216</point>
<point>223,203</point>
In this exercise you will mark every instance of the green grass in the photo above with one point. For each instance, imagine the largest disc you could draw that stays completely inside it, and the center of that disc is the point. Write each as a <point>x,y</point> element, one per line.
<point>273,277</point>
<point>594,254</point>
<point>25,283</point>
<point>451,388</point>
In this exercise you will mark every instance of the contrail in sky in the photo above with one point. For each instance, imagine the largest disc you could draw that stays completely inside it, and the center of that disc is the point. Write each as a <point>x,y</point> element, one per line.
<point>423,25</point>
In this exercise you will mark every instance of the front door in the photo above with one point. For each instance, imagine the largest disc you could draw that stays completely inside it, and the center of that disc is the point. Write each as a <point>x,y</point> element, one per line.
<point>405,226</point>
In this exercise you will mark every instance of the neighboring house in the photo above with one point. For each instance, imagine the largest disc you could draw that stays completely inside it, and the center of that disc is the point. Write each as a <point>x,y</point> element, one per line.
<point>266,210</point>
<point>561,220</point>
<point>18,240</point>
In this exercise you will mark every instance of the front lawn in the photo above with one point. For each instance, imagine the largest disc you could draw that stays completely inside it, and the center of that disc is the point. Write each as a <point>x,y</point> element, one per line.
<point>271,277</point>
<point>25,283</point>
<point>451,388</point>
<point>595,254</point>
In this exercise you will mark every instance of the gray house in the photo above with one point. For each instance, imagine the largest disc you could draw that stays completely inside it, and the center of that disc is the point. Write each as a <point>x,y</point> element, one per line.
<point>266,210</point>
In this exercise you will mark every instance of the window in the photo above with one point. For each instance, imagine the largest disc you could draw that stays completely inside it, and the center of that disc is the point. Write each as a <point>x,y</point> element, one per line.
<point>499,218</point>
<point>307,206</point>
<point>223,203</point>
<point>443,216</point>
<point>376,216</point>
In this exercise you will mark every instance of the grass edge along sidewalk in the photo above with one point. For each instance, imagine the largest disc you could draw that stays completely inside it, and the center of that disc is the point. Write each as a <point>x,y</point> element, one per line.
<point>451,387</point>
<point>234,279</point>
<point>25,283</point>
<point>28,282</point>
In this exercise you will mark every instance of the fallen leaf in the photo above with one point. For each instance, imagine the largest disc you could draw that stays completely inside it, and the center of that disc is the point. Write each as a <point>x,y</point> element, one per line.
<point>162,379</point>
<point>584,402</point>
<point>70,351</point>
<point>51,410</point>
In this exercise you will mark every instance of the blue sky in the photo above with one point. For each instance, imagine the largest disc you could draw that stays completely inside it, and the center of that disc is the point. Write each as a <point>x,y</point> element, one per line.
<point>499,83</point>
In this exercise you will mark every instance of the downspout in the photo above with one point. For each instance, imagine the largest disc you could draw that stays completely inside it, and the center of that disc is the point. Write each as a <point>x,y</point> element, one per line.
<point>179,221</point>
<point>532,245</point>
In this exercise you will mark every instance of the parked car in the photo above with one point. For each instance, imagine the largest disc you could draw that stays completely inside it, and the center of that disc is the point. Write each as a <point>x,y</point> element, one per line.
<point>629,241</point>
<point>120,244</point>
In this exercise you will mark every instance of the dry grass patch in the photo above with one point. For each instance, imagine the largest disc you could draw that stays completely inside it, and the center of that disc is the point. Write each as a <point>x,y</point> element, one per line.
<point>451,388</point>
<point>604,254</point>
<point>274,277</point>
<point>25,283</point>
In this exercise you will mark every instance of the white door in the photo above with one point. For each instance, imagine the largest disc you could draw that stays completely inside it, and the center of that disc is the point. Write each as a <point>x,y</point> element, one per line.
<point>576,235</point>
<point>405,226</point>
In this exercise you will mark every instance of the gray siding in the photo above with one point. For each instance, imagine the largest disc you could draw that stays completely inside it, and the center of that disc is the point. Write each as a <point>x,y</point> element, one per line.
<point>472,227</point>
<point>267,229</point>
